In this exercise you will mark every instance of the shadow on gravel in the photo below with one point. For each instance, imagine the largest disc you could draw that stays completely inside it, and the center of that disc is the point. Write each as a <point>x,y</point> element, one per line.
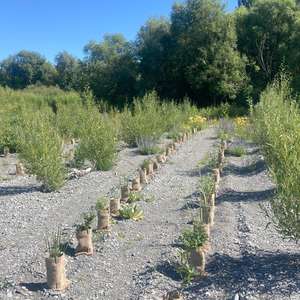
<point>193,204</point>
<point>69,250</point>
<point>14,190</point>
<point>233,196</point>
<point>250,170</point>
<point>206,170</point>
<point>191,173</point>
<point>167,269</point>
<point>213,138</point>
<point>34,286</point>
<point>262,273</point>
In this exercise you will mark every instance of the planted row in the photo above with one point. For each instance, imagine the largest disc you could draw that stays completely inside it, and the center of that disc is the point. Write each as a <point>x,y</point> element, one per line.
<point>194,242</point>
<point>123,207</point>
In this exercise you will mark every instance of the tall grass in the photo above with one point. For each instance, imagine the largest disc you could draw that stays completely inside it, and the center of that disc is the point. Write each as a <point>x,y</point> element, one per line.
<point>277,129</point>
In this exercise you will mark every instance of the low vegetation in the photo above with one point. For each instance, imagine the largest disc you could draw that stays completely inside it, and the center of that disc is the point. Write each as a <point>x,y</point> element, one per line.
<point>186,271</point>
<point>135,197</point>
<point>102,204</point>
<point>206,188</point>
<point>55,244</point>
<point>88,219</point>
<point>132,212</point>
<point>236,151</point>
<point>193,238</point>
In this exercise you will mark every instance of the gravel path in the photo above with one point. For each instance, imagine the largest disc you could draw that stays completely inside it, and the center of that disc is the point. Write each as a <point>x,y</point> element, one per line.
<point>120,267</point>
<point>246,258</point>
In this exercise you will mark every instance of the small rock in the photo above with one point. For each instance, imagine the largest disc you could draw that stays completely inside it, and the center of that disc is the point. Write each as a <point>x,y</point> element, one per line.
<point>236,297</point>
<point>9,294</point>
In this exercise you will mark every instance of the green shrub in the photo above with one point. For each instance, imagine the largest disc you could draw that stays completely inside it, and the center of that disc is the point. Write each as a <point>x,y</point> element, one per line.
<point>276,123</point>
<point>225,129</point>
<point>40,148</point>
<point>210,161</point>
<point>176,117</point>
<point>13,104</point>
<point>236,151</point>
<point>147,145</point>
<point>145,163</point>
<point>134,197</point>
<point>184,269</point>
<point>224,110</point>
<point>206,188</point>
<point>8,135</point>
<point>98,140</point>
<point>192,239</point>
<point>145,121</point>
<point>69,119</point>
<point>102,204</point>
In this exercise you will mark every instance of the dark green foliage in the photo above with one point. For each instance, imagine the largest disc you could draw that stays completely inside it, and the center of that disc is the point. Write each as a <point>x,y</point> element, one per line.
<point>268,33</point>
<point>153,47</point>
<point>68,71</point>
<point>246,3</point>
<point>110,69</point>
<point>208,66</point>
<point>26,68</point>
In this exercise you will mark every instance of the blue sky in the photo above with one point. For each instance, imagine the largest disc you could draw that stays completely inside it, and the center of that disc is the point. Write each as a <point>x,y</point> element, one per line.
<point>50,26</point>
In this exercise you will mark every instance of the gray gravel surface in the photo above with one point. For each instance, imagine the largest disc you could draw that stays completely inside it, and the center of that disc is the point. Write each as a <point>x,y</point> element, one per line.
<point>247,258</point>
<point>124,256</point>
<point>135,260</point>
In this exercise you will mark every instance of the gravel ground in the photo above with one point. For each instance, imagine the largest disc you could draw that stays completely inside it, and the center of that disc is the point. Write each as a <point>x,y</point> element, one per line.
<point>134,260</point>
<point>246,258</point>
<point>115,271</point>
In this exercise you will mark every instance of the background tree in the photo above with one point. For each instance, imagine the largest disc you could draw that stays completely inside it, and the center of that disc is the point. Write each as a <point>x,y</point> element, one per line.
<point>268,33</point>
<point>110,69</point>
<point>152,47</point>
<point>26,68</point>
<point>68,68</point>
<point>246,3</point>
<point>205,59</point>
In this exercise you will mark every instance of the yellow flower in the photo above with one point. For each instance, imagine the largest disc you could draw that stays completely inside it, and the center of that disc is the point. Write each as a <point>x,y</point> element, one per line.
<point>241,121</point>
<point>196,121</point>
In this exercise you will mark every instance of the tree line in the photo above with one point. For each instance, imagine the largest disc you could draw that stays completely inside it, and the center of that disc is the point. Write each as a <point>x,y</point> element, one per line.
<point>200,52</point>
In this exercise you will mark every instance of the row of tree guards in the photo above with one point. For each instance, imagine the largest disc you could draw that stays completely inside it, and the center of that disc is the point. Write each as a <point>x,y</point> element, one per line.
<point>56,276</point>
<point>196,256</point>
